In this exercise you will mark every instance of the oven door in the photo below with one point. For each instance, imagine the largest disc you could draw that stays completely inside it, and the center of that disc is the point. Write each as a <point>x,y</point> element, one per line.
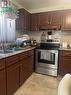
<point>47,58</point>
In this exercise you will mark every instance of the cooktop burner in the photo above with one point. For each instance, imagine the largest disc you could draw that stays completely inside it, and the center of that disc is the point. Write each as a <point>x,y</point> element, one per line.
<point>49,45</point>
<point>53,40</point>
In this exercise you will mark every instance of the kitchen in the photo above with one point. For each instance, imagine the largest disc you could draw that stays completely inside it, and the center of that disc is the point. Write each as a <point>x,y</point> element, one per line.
<point>33,21</point>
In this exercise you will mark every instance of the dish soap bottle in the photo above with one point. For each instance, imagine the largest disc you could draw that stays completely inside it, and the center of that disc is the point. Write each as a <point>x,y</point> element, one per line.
<point>43,37</point>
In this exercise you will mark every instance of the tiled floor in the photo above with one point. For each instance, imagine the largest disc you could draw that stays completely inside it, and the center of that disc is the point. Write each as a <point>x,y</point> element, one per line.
<point>39,84</point>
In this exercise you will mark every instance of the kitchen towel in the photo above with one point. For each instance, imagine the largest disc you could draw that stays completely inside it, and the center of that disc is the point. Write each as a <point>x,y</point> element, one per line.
<point>45,55</point>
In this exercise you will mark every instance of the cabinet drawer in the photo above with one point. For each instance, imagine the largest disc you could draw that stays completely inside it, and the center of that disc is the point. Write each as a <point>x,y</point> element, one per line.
<point>65,53</point>
<point>2,64</point>
<point>11,60</point>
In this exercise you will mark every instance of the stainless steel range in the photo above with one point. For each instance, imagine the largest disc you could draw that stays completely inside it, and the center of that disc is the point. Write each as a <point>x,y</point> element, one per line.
<point>47,58</point>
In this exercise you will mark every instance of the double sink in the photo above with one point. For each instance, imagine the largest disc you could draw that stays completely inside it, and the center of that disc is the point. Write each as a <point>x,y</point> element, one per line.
<point>9,51</point>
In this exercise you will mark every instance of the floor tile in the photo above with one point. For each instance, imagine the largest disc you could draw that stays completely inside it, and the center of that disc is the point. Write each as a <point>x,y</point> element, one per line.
<point>38,84</point>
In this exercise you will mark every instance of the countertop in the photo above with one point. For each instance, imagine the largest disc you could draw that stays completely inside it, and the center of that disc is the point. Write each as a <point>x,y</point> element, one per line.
<point>4,55</point>
<point>67,49</point>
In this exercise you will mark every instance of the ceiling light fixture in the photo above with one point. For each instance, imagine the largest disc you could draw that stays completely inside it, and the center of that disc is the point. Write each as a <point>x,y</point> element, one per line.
<point>7,8</point>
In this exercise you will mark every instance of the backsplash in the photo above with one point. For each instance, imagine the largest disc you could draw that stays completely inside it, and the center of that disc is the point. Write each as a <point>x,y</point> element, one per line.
<point>36,35</point>
<point>66,37</point>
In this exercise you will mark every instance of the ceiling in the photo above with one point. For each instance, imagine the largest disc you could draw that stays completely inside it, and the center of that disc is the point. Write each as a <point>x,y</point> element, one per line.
<point>42,4</point>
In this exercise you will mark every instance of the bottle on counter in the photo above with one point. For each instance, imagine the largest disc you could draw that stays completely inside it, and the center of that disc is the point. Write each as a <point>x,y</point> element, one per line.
<point>64,44</point>
<point>43,37</point>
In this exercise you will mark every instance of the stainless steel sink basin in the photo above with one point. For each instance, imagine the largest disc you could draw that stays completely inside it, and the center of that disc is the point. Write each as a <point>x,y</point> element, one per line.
<point>19,48</point>
<point>10,50</point>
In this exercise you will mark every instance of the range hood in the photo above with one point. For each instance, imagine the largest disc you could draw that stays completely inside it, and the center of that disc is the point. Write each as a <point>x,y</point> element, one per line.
<point>50,27</point>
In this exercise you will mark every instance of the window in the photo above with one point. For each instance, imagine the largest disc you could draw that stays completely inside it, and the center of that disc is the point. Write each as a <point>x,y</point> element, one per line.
<point>7,29</point>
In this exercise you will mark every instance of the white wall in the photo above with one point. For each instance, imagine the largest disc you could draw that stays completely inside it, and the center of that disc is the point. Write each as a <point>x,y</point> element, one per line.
<point>36,35</point>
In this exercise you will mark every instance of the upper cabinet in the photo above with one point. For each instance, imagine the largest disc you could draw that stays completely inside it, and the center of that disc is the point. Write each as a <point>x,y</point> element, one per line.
<point>55,17</point>
<point>34,22</point>
<point>46,20</point>
<point>54,20</point>
<point>23,21</point>
<point>66,20</point>
<point>50,20</point>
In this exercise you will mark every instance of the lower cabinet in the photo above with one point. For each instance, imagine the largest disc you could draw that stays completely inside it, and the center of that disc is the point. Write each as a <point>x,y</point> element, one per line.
<point>2,77</point>
<point>14,70</point>
<point>12,79</point>
<point>23,70</point>
<point>64,62</point>
<point>12,73</point>
<point>2,82</point>
<point>30,65</point>
<point>26,68</point>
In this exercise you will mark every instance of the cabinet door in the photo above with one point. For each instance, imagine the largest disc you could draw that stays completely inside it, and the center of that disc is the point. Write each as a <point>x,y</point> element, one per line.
<point>34,22</point>
<point>2,82</point>
<point>50,20</point>
<point>12,79</point>
<point>23,70</point>
<point>26,68</point>
<point>30,65</point>
<point>44,18</point>
<point>2,77</point>
<point>25,20</point>
<point>56,17</point>
<point>64,62</point>
<point>66,20</point>
<point>22,23</point>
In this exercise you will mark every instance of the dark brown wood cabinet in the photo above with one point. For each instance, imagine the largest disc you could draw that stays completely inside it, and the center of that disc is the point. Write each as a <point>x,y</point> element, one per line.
<point>12,74</point>
<point>66,20</point>
<point>23,20</point>
<point>60,19</point>
<point>15,70</point>
<point>64,62</point>
<point>46,20</point>
<point>38,20</point>
<point>52,17</point>
<point>30,65</point>
<point>2,77</point>
<point>34,22</point>
<point>50,20</point>
<point>26,65</point>
<point>55,17</point>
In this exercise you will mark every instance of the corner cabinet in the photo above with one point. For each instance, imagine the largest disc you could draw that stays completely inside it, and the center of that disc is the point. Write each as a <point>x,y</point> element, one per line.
<point>2,77</point>
<point>64,62</point>
<point>15,70</point>
<point>23,20</point>
<point>67,20</point>
<point>34,20</point>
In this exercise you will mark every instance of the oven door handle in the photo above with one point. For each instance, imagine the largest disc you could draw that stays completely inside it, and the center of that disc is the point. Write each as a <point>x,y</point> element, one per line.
<point>52,57</point>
